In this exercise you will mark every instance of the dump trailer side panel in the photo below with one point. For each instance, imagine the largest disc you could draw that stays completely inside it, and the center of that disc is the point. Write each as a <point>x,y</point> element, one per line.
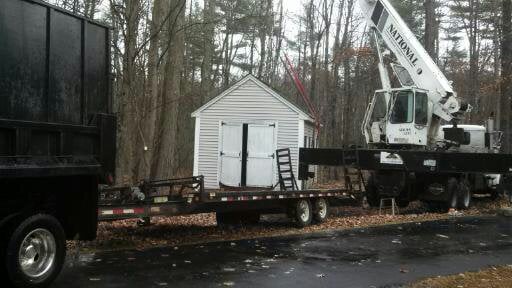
<point>55,65</point>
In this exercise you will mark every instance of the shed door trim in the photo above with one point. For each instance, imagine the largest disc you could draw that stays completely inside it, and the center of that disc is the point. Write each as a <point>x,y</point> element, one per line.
<point>230,154</point>
<point>261,147</point>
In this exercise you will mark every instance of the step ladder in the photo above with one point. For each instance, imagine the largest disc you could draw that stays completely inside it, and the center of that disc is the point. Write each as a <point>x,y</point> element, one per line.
<point>388,204</point>
<point>287,180</point>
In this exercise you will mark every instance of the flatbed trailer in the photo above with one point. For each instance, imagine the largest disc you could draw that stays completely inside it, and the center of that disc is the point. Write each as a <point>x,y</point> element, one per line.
<point>187,196</point>
<point>435,177</point>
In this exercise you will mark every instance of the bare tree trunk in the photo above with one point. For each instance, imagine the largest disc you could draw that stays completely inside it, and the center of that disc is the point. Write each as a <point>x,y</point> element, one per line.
<point>263,33</point>
<point>151,105</point>
<point>279,44</point>
<point>208,49</point>
<point>164,159</point>
<point>431,28</point>
<point>127,126</point>
<point>474,55</point>
<point>345,44</point>
<point>506,76</point>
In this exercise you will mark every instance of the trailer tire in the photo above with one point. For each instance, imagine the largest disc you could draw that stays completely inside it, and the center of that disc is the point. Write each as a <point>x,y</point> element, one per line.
<point>464,195</point>
<point>321,210</point>
<point>303,212</point>
<point>42,240</point>
<point>372,196</point>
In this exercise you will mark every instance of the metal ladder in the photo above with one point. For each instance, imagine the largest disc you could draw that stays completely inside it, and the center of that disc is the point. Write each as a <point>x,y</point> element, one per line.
<point>287,180</point>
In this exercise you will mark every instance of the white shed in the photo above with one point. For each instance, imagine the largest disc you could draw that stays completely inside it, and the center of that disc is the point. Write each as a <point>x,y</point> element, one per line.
<point>238,132</point>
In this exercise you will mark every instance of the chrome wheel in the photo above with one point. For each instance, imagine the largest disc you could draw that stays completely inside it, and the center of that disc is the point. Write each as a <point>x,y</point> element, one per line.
<point>304,211</point>
<point>465,194</point>
<point>321,206</point>
<point>36,255</point>
<point>453,200</point>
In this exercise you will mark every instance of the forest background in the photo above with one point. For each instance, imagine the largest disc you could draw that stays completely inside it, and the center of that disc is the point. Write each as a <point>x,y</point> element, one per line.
<point>169,57</point>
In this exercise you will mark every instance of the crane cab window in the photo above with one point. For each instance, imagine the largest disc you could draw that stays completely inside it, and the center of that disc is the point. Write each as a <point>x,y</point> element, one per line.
<point>403,107</point>
<point>379,107</point>
<point>421,109</point>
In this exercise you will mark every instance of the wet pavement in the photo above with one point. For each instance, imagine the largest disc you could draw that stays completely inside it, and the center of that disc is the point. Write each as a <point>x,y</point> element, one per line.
<point>387,256</point>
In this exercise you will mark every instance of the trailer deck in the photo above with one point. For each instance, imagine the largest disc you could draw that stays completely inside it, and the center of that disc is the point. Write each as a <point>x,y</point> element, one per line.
<point>405,160</point>
<point>187,196</point>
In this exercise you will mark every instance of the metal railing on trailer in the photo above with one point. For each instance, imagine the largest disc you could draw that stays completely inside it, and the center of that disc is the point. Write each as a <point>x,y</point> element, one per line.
<point>151,198</point>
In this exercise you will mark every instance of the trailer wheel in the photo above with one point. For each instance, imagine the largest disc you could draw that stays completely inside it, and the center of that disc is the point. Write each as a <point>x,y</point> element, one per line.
<point>36,252</point>
<point>464,194</point>
<point>372,196</point>
<point>303,212</point>
<point>321,211</point>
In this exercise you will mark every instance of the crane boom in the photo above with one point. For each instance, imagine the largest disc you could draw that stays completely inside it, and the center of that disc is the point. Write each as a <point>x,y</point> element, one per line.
<point>381,15</point>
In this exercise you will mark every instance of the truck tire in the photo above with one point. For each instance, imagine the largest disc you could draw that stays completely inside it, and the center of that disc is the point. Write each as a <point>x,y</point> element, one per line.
<point>3,252</point>
<point>36,252</point>
<point>452,188</point>
<point>303,213</point>
<point>464,195</point>
<point>321,210</point>
<point>372,196</point>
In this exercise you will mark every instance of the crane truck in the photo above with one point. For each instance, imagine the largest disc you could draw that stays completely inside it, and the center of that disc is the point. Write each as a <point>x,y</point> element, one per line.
<point>416,147</point>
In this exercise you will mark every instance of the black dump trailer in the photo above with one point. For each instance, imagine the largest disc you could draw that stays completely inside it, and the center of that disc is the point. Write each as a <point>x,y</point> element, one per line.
<point>57,136</point>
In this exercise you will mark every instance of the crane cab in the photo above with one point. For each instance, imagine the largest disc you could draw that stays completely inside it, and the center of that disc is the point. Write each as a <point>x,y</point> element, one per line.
<point>398,117</point>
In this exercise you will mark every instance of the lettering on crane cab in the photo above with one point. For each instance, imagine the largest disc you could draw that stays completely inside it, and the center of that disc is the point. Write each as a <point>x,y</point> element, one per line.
<point>402,44</point>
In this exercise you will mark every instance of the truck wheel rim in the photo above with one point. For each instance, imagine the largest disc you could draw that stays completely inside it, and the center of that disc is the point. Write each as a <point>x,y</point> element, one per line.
<point>453,200</point>
<point>304,211</point>
<point>322,208</point>
<point>37,253</point>
<point>467,196</point>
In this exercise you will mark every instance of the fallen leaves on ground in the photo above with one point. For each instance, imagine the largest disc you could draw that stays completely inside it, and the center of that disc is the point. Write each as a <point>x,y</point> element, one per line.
<point>201,228</point>
<point>493,277</point>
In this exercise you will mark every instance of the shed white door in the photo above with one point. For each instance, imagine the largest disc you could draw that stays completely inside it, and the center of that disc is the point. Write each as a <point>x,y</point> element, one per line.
<point>231,154</point>
<point>260,155</point>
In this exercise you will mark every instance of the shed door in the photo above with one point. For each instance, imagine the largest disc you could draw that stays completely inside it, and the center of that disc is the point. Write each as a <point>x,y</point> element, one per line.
<point>231,154</point>
<point>260,155</point>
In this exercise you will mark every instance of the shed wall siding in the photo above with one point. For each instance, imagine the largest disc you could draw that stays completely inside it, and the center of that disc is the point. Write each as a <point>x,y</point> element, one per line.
<point>309,130</point>
<point>249,102</point>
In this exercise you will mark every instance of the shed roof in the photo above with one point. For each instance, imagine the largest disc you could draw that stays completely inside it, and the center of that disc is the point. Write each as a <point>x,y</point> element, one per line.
<point>303,115</point>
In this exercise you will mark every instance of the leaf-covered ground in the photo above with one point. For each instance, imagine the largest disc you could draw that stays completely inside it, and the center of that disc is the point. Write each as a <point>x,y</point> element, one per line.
<point>200,228</point>
<point>493,277</point>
